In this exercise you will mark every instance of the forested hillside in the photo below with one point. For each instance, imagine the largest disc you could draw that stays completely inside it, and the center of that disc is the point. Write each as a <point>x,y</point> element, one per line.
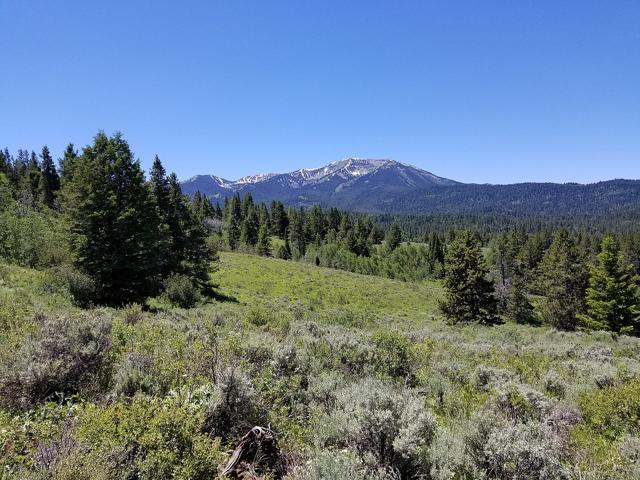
<point>386,186</point>
<point>145,334</point>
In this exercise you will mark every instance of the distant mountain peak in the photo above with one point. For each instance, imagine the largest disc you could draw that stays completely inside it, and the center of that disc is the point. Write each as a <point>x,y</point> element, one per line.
<point>261,177</point>
<point>348,176</point>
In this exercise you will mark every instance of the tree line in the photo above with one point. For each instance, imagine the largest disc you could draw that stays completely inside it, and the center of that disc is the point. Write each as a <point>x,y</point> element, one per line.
<point>572,291</point>
<point>567,279</point>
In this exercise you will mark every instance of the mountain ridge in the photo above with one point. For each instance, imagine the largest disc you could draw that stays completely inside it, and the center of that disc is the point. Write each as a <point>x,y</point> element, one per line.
<point>389,186</point>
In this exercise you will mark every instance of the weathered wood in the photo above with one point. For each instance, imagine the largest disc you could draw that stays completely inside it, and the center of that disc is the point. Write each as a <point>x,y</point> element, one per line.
<point>257,450</point>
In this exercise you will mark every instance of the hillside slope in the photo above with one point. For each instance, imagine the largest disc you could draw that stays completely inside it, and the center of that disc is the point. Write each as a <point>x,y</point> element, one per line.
<point>326,359</point>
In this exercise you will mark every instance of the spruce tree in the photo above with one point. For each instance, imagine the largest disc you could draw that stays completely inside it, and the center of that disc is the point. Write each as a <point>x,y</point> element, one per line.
<point>469,294</point>
<point>250,227</point>
<point>297,236</point>
<point>263,245</point>
<point>613,301</point>
<point>34,174</point>
<point>234,220</point>
<point>563,281</point>
<point>519,309</point>
<point>393,238</point>
<point>67,163</point>
<point>50,181</point>
<point>113,222</point>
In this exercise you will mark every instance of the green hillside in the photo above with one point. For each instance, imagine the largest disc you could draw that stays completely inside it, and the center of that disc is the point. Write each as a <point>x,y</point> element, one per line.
<point>358,375</point>
<point>332,294</point>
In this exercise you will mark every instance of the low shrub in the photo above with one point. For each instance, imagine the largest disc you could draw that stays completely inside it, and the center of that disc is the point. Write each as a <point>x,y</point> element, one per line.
<point>554,385</point>
<point>392,428</point>
<point>613,411</point>
<point>509,450</point>
<point>392,355</point>
<point>150,438</point>
<point>180,291</point>
<point>69,355</point>
<point>134,374</point>
<point>332,464</point>
<point>78,285</point>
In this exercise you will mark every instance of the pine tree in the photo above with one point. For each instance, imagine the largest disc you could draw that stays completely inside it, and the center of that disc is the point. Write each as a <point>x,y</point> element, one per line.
<point>34,174</point>
<point>234,219</point>
<point>613,301</point>
<point>563,281</point>
<point>113,222</point>
<point>284,251</point>
<point>50,181</point>
<point>297,237</point>
<point>250,227</point>
<point>279,219</point>
<point>469,294</point>
<point>5,161</point>
<point>263,245</point>
<point>193,255</point>
<point>519,309</point>
<point>393,238</point>
<point>67,163</point>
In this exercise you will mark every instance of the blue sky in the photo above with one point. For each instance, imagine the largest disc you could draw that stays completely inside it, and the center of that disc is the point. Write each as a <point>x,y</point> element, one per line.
<point>478,91</point>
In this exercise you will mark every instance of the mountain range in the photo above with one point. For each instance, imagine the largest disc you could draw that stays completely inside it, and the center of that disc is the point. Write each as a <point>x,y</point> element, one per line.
<point>388,186</point>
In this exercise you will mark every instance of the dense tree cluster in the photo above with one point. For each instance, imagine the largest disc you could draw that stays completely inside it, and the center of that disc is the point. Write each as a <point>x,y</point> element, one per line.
<point>126,233</point>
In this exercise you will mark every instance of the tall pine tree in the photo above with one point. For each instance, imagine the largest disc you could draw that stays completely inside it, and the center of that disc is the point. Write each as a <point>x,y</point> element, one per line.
<point>563,281</point>
<point>50,181</point>
<point>469,294</point>
<point>613,301</point>
<point>113,222</point>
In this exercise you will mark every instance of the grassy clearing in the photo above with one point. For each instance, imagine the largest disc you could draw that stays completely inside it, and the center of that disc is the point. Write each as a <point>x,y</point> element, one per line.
<point>251,279</point>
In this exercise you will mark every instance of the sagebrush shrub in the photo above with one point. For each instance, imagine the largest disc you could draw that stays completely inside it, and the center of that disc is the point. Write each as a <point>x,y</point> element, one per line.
<point>331,464</point>
<point>68,356</point>
<point>508,450</point>
<point>392,354</point>
<point>134,374</point>
<point>235,413</point>
<point>181,291</point>
<point>81,287</point>
<point>554,385</point>
<point>448,456</point>
<point>392,427</point>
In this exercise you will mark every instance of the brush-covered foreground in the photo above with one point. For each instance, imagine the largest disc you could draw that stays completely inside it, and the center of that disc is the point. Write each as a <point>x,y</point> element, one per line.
<point>359,376</point>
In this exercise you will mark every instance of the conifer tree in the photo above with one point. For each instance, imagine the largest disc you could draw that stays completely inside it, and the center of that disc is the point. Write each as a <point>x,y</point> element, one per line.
<point>519,309</point>
<point>297,237</point>
<point>50,181</point>
<point>263,245</point>
<point>279,219</point>
<point>234,219</point>
<point>189,238</point>
<point>469,294</point>
<point>250,227</point>
<point>563,281</point>
<point>34,174</point>
<point>613,301</point>
<point>393,238</point>
<point>113,222</point>
<point>67,163</point>
<point>284,251</point>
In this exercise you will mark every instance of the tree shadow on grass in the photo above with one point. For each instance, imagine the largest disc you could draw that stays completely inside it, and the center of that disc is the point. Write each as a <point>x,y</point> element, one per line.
<point>211,293</point>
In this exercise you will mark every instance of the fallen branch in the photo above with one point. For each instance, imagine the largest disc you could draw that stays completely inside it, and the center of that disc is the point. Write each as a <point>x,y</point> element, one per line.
<point>256,451</point>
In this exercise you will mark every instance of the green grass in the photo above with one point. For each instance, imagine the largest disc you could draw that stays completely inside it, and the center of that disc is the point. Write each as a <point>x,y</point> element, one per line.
<point>251,279</point>
<point>343,327</point>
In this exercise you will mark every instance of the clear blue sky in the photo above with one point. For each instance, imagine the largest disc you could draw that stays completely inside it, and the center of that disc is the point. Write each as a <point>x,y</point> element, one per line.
<point>482,91</point>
